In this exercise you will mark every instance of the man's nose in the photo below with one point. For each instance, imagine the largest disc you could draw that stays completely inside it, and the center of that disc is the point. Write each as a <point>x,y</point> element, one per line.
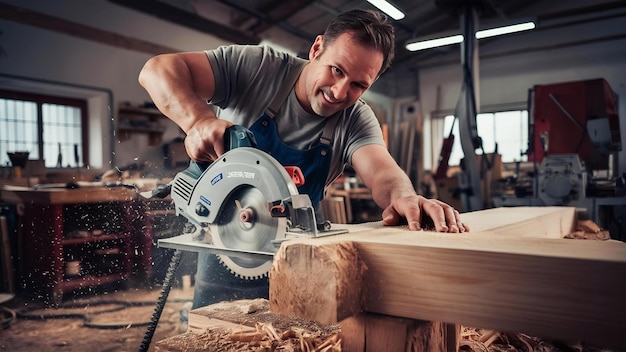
<point>340,90</point>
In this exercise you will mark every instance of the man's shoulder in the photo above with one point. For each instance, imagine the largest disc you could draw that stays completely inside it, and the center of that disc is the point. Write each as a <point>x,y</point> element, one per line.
<point>358,109</point>
<point>260,51</point>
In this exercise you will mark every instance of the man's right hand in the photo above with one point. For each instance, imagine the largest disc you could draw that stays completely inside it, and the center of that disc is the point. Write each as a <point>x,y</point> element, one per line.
<point>205,139</point>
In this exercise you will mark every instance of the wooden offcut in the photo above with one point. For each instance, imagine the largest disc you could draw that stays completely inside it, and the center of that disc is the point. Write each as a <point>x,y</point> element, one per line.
<point>513,272</point>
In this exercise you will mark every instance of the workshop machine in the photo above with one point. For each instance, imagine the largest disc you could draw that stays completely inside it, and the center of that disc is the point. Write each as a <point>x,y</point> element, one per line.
<point>574,136</point>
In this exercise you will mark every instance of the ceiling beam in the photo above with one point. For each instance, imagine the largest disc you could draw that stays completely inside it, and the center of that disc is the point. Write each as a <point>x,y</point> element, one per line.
<point>263,18</point>
<point>282,12</point>
<point>56,24</point>
<point>183,18</point>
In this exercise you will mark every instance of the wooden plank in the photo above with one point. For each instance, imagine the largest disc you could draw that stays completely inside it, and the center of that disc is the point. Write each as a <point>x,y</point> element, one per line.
<point>513,272</point>
<point>14,194</point>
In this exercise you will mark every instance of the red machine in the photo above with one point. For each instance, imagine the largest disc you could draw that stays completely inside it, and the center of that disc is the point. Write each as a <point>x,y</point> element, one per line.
<point>575,118</point>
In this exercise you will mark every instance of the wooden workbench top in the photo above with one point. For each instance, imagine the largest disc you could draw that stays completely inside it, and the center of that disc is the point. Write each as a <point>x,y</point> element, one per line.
<point>93,194</point>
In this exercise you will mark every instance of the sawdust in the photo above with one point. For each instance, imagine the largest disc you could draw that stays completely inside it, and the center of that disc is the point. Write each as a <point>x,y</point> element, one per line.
<point>486,340</point>
<point>267,331</point>
<point>72,334</point>
<point>222,340</point>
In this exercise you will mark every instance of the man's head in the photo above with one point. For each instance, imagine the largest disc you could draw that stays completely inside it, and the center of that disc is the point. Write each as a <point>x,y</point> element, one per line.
<point>344,62</point>
<point>368,27</point>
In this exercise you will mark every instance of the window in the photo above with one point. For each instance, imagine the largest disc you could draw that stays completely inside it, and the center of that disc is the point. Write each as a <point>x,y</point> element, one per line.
<point>49,128</point>
<point>507,129</point>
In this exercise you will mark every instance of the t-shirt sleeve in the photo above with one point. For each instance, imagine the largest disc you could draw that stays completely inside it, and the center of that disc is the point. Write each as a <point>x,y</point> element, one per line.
<point>233,68</point>
<point>363,129</point>
<point>246,79</point>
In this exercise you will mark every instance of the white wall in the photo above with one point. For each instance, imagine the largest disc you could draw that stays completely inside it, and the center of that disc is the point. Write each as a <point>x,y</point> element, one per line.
<point>42,55</point>
<point>507,79</point>
<point>94,70</point>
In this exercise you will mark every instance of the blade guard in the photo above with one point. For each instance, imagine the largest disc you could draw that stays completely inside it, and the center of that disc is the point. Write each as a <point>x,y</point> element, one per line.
<point>199,194</point>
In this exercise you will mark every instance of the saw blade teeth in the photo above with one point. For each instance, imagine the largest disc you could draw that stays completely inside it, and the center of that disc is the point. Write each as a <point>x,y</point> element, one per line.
<point>239,275</point>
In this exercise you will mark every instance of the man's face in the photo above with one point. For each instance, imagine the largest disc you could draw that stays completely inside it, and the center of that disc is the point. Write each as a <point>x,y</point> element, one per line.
<point>338,74</point>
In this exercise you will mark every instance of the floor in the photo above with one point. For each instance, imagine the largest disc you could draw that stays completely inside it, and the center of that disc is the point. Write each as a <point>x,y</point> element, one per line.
<point>116,319</point>
<point>105,319</point>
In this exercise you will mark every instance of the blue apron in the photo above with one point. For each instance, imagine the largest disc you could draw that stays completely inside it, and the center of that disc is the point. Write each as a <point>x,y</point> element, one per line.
<point>214,283</point>
<point>314,162</point>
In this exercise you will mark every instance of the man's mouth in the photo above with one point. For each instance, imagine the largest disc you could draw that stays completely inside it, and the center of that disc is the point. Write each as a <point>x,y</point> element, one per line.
<point>329,99</point>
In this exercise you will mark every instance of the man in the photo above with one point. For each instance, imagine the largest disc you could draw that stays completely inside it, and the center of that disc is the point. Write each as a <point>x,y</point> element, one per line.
<point>317,121</point>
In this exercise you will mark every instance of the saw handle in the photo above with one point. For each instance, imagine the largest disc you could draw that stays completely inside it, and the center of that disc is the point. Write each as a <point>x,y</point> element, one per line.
<point>235,136</point>
<point>238,136</point>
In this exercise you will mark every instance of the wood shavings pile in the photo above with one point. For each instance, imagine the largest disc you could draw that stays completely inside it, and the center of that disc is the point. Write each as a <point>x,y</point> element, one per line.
<point>485,340</point>
<point>248,325</point>
<point>589,230</point>
<point>267,339</point>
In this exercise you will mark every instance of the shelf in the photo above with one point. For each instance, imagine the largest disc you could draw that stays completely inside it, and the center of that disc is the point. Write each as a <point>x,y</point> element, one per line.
<point>93,239</point>
<point>133,120</point>
<point>102,258</point>
<point>145,111</point>
<point>74,283</point>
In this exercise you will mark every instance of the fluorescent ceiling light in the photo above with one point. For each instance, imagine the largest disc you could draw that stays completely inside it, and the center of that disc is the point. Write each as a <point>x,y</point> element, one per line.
<point>433,43</point>
<point>387,8</point>
<point>505,30</point>
<point>421,44</point>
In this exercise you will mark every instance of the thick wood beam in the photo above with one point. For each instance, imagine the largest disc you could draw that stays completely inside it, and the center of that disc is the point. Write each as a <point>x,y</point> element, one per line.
<point>41,20</point>
<point>514,272</point>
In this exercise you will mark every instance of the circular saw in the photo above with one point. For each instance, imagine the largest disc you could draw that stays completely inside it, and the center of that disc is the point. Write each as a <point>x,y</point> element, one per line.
<point>242,206</point>
<point>232,202</point>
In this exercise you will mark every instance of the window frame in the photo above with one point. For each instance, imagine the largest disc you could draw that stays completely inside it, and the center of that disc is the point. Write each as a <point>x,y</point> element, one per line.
<point>41,99</point>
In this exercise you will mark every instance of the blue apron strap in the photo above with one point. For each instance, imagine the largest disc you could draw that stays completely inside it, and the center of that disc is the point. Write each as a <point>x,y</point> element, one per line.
<point>329,129</point>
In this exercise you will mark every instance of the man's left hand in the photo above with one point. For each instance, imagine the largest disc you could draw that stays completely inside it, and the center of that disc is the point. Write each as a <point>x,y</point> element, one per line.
<point>414,209</point>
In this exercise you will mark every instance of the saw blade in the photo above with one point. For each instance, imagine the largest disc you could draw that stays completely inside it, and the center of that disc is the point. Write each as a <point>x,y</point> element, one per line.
<point>253,232</point>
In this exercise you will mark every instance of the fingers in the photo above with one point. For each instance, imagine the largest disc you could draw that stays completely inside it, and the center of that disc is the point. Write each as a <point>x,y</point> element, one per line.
<point>452,218</point>
<point>444,217</point>
<point>205,142</point>
<point>195,148</point>
<point>391,217</point>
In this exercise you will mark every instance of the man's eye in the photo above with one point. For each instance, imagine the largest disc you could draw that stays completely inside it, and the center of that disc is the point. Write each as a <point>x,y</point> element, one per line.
<point>336,70</point>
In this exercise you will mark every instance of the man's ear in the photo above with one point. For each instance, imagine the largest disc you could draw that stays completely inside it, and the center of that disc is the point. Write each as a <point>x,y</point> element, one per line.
<point>316,48</point>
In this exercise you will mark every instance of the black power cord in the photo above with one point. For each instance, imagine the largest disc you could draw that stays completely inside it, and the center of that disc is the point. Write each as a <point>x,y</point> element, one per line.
<point>33,314</point>
<point>167,285</point>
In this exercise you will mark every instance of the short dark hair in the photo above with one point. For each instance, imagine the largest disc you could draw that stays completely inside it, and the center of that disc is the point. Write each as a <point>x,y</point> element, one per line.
<point>369,27</point>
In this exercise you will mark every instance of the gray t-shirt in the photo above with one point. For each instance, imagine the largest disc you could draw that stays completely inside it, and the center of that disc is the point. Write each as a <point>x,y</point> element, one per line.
<point>249,77</point>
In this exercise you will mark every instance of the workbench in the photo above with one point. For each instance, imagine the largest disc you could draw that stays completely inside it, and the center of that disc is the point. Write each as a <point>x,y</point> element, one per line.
<point>70,239</point>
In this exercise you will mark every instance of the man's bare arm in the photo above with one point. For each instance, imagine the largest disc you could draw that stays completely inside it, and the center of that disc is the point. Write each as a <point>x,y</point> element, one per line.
<point>180,85</point>
<point>393,191</point>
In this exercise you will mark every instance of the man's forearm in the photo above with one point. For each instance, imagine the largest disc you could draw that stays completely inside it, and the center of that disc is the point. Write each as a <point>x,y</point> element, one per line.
<point>391,185</point>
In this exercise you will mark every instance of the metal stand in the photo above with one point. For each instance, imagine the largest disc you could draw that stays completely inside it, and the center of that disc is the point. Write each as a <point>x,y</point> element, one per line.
<point>470,176</point>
